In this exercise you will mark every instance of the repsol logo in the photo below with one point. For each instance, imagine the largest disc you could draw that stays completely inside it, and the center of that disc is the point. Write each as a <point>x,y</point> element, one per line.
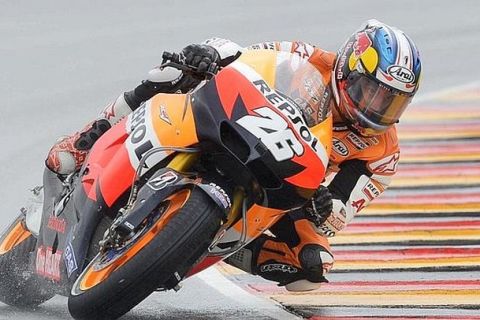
<point>340,147</point>
<point>138,137</point>
<point>356,141</point>
<point>283,104</point>
<point>401,74</point>
<point>275,267</point>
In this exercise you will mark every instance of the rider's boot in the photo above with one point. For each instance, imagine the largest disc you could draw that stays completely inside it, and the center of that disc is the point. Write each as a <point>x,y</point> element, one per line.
<point>298,264</point>
<point>69,153</point>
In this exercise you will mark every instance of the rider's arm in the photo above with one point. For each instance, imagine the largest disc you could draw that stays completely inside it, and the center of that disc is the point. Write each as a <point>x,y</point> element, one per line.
<point>355,185</point>
<point>171,80</point>
<point>168,80</point>
<point>228,50</point>
<point>303,49</point>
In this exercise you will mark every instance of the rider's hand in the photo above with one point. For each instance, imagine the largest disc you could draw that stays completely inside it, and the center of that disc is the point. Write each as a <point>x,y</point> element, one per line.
<point>319,208</point>
<point>200,56</point>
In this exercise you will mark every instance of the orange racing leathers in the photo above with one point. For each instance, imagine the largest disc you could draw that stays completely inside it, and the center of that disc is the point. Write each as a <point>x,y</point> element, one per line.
<point>359,170</point>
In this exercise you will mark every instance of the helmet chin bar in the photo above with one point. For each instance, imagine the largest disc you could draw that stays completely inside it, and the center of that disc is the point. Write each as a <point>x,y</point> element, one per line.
<point>351,120</point>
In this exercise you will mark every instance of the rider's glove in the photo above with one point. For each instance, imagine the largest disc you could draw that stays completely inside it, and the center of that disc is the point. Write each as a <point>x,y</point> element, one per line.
<point>319,208</point>
<point>200,56</point>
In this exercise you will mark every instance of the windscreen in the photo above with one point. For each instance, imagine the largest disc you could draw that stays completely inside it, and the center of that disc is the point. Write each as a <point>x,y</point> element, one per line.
<point>303,83</point>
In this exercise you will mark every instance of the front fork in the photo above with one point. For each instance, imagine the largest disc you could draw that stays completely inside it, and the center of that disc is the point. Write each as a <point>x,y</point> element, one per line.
<point>143,200</point>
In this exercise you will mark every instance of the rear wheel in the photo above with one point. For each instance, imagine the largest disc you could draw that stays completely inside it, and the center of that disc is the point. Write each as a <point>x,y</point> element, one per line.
<point>160,254</point>
<point>19,284</point>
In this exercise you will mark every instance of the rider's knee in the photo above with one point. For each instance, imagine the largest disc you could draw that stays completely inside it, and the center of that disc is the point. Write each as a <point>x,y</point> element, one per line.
<point>316,262</point>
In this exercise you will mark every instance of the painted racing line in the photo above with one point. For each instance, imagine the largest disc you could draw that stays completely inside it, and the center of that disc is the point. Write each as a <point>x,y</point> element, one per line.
<point>414,253</point>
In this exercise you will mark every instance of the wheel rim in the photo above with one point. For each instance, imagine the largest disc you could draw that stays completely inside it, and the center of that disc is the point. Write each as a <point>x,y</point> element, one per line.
<point>95,272</point>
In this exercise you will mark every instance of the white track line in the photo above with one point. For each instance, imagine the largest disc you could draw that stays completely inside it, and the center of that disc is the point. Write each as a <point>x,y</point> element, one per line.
<point>264,306</point>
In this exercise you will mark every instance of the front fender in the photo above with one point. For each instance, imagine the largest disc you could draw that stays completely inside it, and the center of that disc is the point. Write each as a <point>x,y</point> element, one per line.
<point>162,184</point>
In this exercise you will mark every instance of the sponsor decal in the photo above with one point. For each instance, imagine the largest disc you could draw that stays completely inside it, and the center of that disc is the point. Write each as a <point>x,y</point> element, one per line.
<point>164,115</point>
<point>401,74</point>
<point>282,128</point>
<point>48,263</point>
<point>269,45</point>
<point>221,195</point>
<point>70,261</point>
<point>263,45</point>
<point>362,43</point>
<point>340,147</point>
<point>358,204</point>
<point>340,128</point>
<point>356,141</point>
<point>142,136</point>
<point>139,137</point>
<point>57,224</point>
<point>362,49</point>
<point>216,42</point>
<point>302,50</point>
<point>163,180</point>
<point>335,222</point>
<point>273,130</point>
<point>371,191</point>
<point>386,165</point>
<point>109,112</point>
<point>342,60</point>
<point>323,108</point>
<point>327,231</point>
<point>278,267</point>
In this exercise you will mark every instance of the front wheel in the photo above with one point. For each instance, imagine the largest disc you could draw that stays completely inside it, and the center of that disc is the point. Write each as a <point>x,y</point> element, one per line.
<point>165,249</point>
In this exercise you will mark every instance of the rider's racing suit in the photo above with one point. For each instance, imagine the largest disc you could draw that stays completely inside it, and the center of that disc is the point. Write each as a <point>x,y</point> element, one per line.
<point>298,254</point>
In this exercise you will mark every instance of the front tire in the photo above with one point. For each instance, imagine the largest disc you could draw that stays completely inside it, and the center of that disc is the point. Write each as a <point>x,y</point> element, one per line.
<point>19,286</point>
<point>107,292</point>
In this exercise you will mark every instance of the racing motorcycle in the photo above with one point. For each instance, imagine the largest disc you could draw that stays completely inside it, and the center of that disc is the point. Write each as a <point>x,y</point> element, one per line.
<point>183,182</point>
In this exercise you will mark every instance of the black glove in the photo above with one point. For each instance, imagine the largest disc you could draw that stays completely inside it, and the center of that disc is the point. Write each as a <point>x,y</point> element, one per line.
<point>200,56</point>
<point>319,208</point>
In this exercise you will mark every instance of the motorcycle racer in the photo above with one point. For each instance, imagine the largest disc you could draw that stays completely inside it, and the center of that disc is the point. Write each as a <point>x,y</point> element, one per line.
<point>369,83</point>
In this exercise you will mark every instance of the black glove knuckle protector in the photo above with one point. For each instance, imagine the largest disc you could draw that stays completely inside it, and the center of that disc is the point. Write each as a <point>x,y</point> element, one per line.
<point>320,207</point>
<point>200,56</point>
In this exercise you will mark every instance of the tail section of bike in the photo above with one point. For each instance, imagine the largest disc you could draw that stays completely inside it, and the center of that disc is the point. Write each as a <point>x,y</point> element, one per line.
<point>19,284</point>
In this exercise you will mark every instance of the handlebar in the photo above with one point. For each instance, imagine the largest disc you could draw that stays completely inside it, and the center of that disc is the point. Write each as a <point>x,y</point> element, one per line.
<point>177,61</point>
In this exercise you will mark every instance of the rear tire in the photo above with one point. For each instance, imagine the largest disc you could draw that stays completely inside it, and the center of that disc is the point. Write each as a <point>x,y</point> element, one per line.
<point>169,255</point>
<point>19,285</point>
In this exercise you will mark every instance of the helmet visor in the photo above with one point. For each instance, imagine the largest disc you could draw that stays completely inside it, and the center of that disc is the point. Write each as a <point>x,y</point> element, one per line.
<point>378,105</point>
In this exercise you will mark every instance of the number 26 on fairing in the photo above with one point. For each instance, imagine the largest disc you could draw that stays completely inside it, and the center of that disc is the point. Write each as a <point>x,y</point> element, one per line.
<point>274,132</point>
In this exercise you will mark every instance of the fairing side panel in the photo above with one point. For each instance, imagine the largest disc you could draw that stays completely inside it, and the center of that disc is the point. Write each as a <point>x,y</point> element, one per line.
<point>108,167</point>
<point>173,120</point>
<point>164,121</point>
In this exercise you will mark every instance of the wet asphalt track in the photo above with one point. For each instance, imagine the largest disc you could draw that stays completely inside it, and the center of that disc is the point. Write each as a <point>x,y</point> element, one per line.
<point>61,62</point>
